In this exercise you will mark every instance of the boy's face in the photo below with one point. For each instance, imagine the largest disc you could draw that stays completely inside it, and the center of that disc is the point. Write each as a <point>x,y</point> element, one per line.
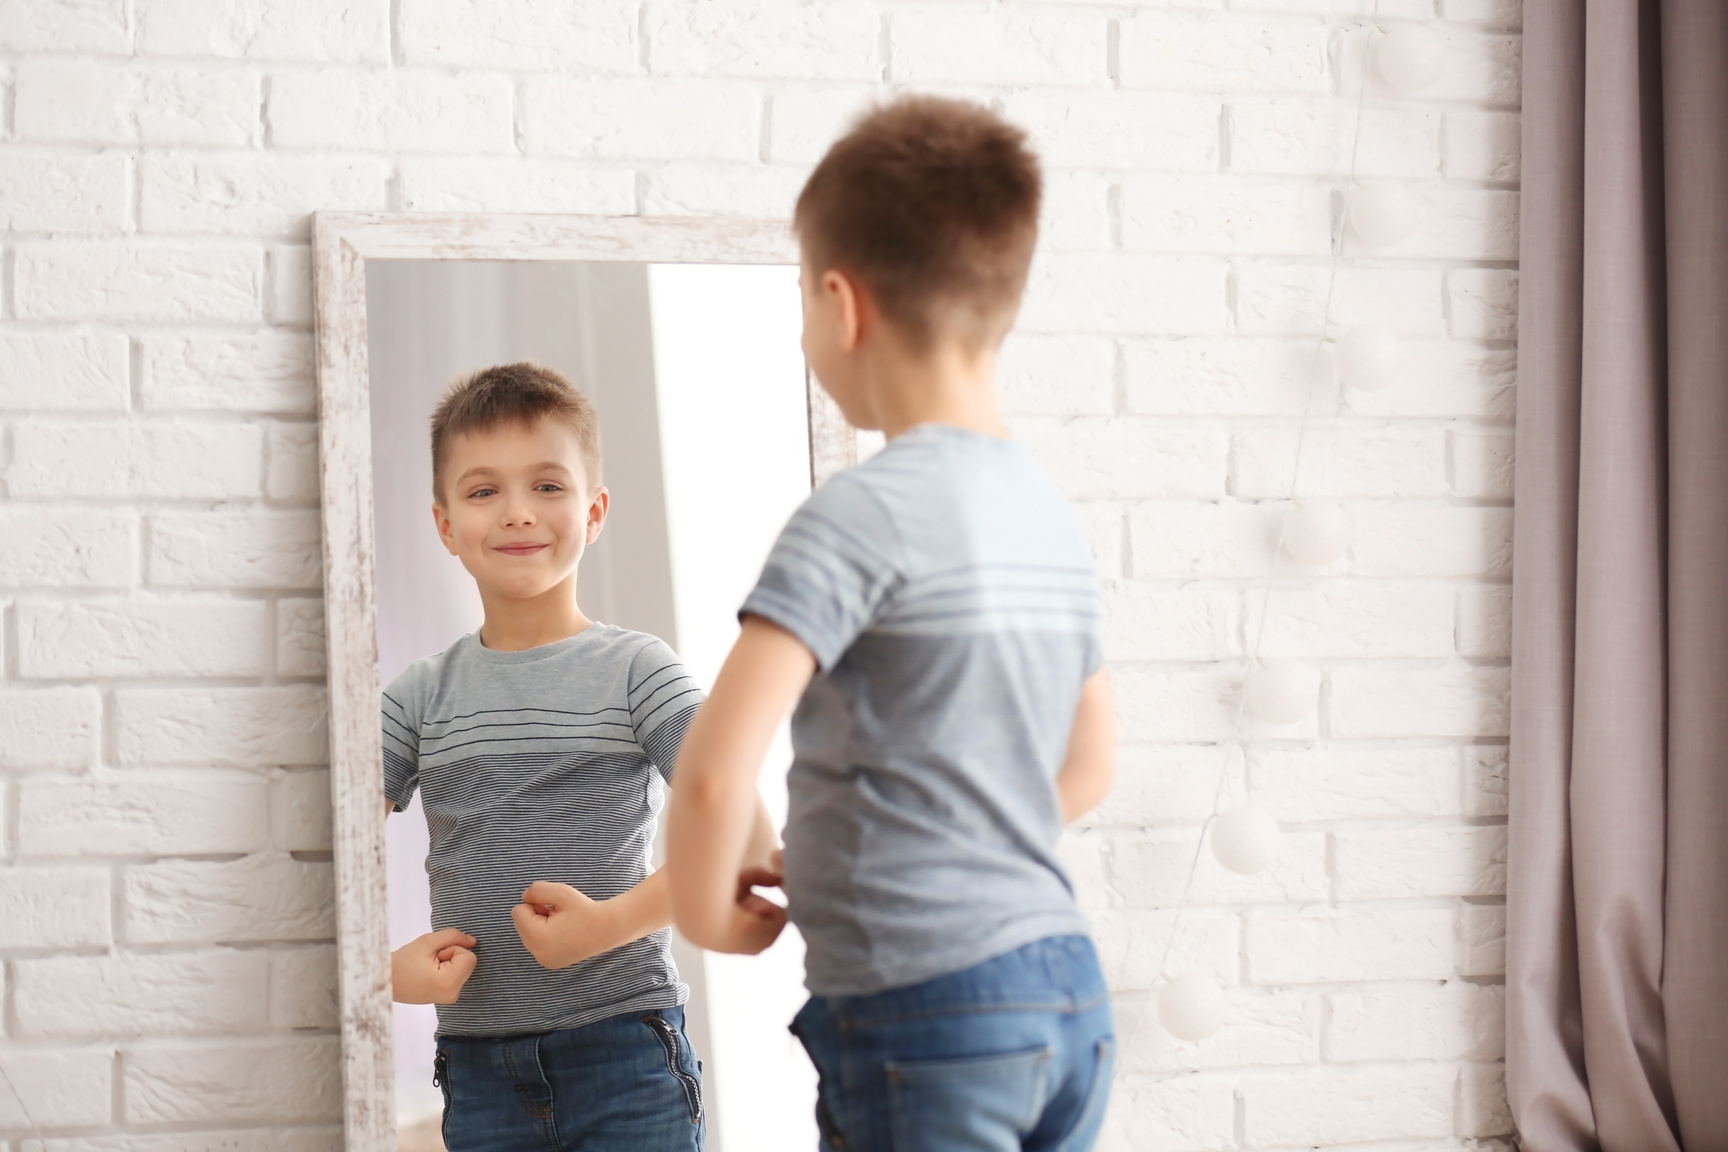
<point>517,509</point>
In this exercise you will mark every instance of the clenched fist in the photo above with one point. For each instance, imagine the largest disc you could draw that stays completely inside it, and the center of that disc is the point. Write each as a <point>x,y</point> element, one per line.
<point>431,969</point>
<point>560,926</point>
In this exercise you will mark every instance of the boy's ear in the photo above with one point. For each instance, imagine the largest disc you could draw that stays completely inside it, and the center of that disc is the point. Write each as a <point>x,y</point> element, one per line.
<point>597,513</point>
<point>441,521</point>
<point>852,304</point>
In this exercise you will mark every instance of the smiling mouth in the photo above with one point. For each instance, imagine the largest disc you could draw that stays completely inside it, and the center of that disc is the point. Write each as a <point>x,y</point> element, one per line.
<point>520,549</point>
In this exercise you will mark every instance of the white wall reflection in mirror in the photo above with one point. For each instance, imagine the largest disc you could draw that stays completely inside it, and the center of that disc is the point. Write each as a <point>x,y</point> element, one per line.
<point>700,386</point>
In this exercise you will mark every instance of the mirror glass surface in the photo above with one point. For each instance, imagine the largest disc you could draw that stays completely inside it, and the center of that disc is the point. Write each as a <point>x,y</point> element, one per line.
<point>701,389</point>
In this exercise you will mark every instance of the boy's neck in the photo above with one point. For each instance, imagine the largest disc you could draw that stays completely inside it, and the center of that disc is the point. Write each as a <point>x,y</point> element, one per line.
<point>948,383</point>
<point>514,625</point>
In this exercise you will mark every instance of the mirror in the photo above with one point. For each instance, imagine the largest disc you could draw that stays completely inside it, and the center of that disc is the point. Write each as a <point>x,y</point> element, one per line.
<point>709,440</point>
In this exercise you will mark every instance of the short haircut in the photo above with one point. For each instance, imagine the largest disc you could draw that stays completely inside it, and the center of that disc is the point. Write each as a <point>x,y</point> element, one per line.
<point>513,394</point>
<point>933,205</point>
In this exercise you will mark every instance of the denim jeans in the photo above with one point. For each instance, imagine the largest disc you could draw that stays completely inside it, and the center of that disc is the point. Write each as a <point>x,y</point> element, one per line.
<point>628,1083</point>
<point>1013,1055</point>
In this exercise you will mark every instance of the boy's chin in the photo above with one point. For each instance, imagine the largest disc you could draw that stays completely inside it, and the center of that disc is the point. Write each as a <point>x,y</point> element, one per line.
<point>521,589</point>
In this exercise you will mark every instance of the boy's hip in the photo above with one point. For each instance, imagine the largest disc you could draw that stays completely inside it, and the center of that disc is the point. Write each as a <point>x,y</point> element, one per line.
<point>511,995</point>
<point>1015,1052</point>
<point>1058,974</point>
<point>630,1081</point>
<point>854,958</point>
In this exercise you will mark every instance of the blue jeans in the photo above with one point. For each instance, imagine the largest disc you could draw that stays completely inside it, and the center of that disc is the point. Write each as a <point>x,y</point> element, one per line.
<point>1013,1055</point>
<point>628,1083</point>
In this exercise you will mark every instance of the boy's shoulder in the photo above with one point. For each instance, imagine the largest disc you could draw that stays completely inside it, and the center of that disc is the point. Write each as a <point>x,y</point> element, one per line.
<point>599,649</point>
<point>411,684</point>
<point>936,487</point>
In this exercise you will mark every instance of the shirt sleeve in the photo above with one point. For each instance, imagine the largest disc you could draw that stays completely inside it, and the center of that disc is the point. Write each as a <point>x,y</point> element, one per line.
<point>833,569</point>
<point>400,708</point>
<point>663,699</point>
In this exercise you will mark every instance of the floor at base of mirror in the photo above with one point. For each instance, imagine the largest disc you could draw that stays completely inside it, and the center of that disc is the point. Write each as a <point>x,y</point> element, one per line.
<point>420,1134</point>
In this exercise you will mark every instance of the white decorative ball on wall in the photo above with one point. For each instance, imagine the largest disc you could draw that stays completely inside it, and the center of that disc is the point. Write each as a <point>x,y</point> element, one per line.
<point>1317,532</point>
<point>1245,837</point>
<point>1191,1007</point>
<point>1409,58</point>
<point>1367,357</point>
<point>1382,214</point>
<point>1280,691</point>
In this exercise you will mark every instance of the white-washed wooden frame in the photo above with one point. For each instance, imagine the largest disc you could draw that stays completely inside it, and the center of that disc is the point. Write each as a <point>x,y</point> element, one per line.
<point>342,243</point>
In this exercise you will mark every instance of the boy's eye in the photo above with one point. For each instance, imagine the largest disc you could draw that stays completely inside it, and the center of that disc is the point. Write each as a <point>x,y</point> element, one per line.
<point>481,492</point>
<point>548,486</point>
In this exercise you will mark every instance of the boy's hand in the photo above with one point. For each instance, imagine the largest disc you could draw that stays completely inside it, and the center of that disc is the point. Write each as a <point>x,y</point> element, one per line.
<point>756,921</point>
<point>560,926</point>
<point>431,969</point>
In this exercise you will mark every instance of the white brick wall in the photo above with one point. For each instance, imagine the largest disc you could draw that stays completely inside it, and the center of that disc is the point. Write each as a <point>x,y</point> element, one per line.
<point>165,960</point>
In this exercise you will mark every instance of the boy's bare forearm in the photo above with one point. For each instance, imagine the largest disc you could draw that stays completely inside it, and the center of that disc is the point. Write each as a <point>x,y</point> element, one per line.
<point>1089,768</point>
<point>634,914</point>
<point>717,824</point>
<point>708,832</point>
<point>764,838</point>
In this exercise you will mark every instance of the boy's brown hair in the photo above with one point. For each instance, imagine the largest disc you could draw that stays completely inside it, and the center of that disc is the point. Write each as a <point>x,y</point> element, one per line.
<point>933,204</point>
<point>513,394</point>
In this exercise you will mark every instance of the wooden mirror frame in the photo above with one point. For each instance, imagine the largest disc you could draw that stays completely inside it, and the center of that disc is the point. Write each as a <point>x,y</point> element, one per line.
<point>342,242</point>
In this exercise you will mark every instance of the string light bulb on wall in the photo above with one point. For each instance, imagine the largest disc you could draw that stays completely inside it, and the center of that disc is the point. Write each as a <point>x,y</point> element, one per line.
<point>1245,837</point>
<point>1383,214</point>
<point>1314,533</point>
<point>1191,1007</point>
<point>1409,58</point>
<point>1281,691</point>
<point>1368,356</point>
<point>1317,532</point>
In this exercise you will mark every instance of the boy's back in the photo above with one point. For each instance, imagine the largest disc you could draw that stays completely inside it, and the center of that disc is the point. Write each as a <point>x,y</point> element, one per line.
<point>948,595</point>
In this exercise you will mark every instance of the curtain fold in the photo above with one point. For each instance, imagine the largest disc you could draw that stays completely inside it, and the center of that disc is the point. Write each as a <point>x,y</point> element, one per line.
<point>1617,919</point>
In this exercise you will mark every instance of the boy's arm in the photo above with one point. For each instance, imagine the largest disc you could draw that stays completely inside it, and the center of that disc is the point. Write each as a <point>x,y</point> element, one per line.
<point>560,926</point>
<point>1090,764</point>
<point>431,969</point>
<point>714,828</point>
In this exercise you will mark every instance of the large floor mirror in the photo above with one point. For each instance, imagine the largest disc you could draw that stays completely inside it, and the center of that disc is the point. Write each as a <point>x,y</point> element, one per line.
<point>684,335</point>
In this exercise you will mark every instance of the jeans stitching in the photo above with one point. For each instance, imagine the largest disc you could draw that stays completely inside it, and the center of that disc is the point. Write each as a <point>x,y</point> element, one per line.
<point>850,1023</point>
<point>1103,1073</point>
<point>523,1097</point>
<point>669,1041</point>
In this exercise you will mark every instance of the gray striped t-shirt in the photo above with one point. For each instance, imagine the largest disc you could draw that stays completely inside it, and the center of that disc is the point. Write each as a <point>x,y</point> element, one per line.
<point>950,599</point>
<point>546,764</point>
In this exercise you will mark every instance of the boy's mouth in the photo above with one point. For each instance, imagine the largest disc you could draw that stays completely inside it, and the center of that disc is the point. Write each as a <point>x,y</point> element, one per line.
<point>520,549</point>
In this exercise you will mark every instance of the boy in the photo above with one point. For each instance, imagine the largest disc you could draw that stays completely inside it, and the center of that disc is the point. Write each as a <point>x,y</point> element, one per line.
<point>937,610</point>
<point>535,744</point>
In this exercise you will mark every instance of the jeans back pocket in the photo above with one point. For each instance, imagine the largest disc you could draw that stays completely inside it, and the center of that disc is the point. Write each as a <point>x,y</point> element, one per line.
<point>967,1102</point>
<point>673,1043</point>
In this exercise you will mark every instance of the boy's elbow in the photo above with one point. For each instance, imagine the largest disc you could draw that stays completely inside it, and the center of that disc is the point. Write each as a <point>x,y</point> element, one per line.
<point>695,927</point>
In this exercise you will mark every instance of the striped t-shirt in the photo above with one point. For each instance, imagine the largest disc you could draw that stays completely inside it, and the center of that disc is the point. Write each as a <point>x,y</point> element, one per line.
<point>950,599</point>
<point>547,764</point>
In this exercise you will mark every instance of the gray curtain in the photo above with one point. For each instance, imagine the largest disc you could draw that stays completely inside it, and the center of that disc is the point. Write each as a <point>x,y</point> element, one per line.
<point>1617,919</point>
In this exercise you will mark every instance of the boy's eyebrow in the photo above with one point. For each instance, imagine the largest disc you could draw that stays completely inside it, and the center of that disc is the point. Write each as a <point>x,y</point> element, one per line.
<point>489,470</point>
